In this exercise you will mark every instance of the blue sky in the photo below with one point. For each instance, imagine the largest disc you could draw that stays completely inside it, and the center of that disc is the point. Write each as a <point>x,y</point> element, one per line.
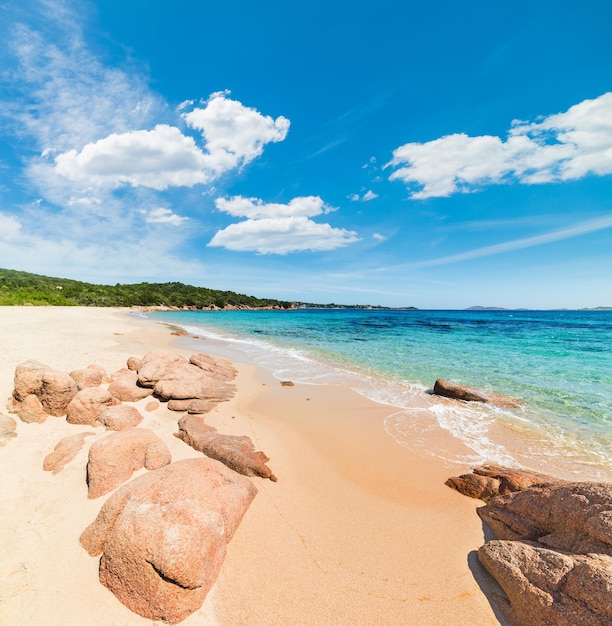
<point>438,155</point>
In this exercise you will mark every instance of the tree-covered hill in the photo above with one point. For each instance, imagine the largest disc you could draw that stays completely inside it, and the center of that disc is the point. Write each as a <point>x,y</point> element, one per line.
<point>23,288</point>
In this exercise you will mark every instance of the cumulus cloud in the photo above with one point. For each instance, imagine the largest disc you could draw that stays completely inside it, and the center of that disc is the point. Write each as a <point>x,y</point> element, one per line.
<point>558,148</point>
<point>233,133</point>
<point>275,228</point>
<point>164,157</point>
<point>162,215</point>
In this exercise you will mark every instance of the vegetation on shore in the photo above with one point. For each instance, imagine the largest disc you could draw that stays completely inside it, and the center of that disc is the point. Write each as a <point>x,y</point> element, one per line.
<point>23,288</point>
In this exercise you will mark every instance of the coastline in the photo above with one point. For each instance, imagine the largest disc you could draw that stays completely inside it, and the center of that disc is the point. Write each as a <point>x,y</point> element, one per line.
<point>357,530</point>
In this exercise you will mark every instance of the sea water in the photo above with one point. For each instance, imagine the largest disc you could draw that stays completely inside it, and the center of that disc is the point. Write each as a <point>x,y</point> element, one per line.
<point>558,363</point>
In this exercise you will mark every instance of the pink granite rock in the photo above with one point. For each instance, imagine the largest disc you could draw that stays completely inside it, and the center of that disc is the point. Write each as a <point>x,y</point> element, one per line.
<point>216,367</point>
<point>91,376</point>
<point>153,405</point>
<point>120,417</point>
<point>65,450</point>
<point>154,366</point>
<point>88,404</point>
<point>127,389</point>
<point>238,453</point>
<point>182,381</point>
<point>112,460</point>
<point>550,588</point>
<point>573,517</point>
<point>56,392</point>
<point>28,379</point>
<point>30,410</point>
<point>488,481</point>
<point>134,363</point>
<point>163,536</point>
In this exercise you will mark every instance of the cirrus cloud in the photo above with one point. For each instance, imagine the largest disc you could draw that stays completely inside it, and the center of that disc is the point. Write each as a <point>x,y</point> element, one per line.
<point>560,147</point>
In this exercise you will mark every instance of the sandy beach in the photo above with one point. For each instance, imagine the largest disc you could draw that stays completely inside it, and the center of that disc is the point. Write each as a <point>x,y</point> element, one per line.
<point>357,530</point>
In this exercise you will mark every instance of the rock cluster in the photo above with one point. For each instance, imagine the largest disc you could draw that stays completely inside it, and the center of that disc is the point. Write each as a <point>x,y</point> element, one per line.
<point>553,552</point>
<point>162,536</point>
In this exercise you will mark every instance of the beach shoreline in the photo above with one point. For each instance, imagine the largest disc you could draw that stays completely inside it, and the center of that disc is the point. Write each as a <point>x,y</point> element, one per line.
<point>358,530</point>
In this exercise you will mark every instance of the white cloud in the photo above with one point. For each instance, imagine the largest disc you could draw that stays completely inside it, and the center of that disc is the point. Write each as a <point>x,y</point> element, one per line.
<point>254,208</point>
<point>234,134</point>
<point>379,237</point>
<point>279,228</point>
<point>560,147</point>
<point>158,159</point>
<point>164,157</point>
<point>163,216</point>
<point>364,197</point>
<point>10,228</point>
<point>282,235</point>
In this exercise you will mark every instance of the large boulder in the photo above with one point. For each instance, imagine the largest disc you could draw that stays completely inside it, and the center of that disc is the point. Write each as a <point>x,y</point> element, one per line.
<point>488,481</point>
<point>154,365</point>
<point>120,417</point>
<point>546,587</point>
<point>90,376</point>
<point>184,380</point>
<point>216,367</point>
<point>163,536</point>
<point>447,389</point>
<point>126,388</point>
<point>88,404</point>
<point>238,453</point>
<point>65,450</point>
<point>194,406</point>
<point>28,379</point>
<point>56,392</point>
<point>573,517</point>
<point>115,458</point>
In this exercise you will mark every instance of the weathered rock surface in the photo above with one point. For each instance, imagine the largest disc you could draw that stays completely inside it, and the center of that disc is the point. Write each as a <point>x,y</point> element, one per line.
<point>65,450</point>
<point>163,536</point>
<point>134,363</point>
<point>488,481</point>
<point>573,517</point>
<point>153,405</point>
<point>238,453</point>
<point>155,364</point>
<point>467,394</point>
<point>127,389</point>
<point>30,410</point>
<point>28,379</point>
<point>8,428</point>
<point>550,588</point>
<point>182,381</point>
<point>56,392</point>
<point>90,376</point>
<point>112,460</point>
<point>88,404</point>
<point>218,368</point>
<point>553,553</point>
<point>120,417</point>
<point>196,406</point>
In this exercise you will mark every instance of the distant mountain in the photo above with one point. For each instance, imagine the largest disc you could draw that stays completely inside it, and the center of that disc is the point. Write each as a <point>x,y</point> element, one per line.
<point>23,288</point>
<point>486,308</point>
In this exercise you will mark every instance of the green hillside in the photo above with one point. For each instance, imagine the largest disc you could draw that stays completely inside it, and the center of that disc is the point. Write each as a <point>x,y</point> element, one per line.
<point>23,288</point>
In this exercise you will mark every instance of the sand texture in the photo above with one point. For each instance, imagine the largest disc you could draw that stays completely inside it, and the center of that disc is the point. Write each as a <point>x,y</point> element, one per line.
<point>357,530</point>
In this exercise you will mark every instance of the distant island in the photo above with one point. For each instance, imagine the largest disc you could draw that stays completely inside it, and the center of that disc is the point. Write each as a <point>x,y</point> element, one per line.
<point>22,288</point>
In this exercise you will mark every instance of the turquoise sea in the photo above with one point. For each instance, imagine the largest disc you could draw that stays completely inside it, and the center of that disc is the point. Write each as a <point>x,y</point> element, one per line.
<point>559,363</point>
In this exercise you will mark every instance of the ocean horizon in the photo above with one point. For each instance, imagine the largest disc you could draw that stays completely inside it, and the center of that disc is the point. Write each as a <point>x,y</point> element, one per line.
<point>557,362</point>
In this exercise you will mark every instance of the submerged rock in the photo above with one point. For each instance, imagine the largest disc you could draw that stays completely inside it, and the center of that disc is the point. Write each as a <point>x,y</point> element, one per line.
<point>467,394</point>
